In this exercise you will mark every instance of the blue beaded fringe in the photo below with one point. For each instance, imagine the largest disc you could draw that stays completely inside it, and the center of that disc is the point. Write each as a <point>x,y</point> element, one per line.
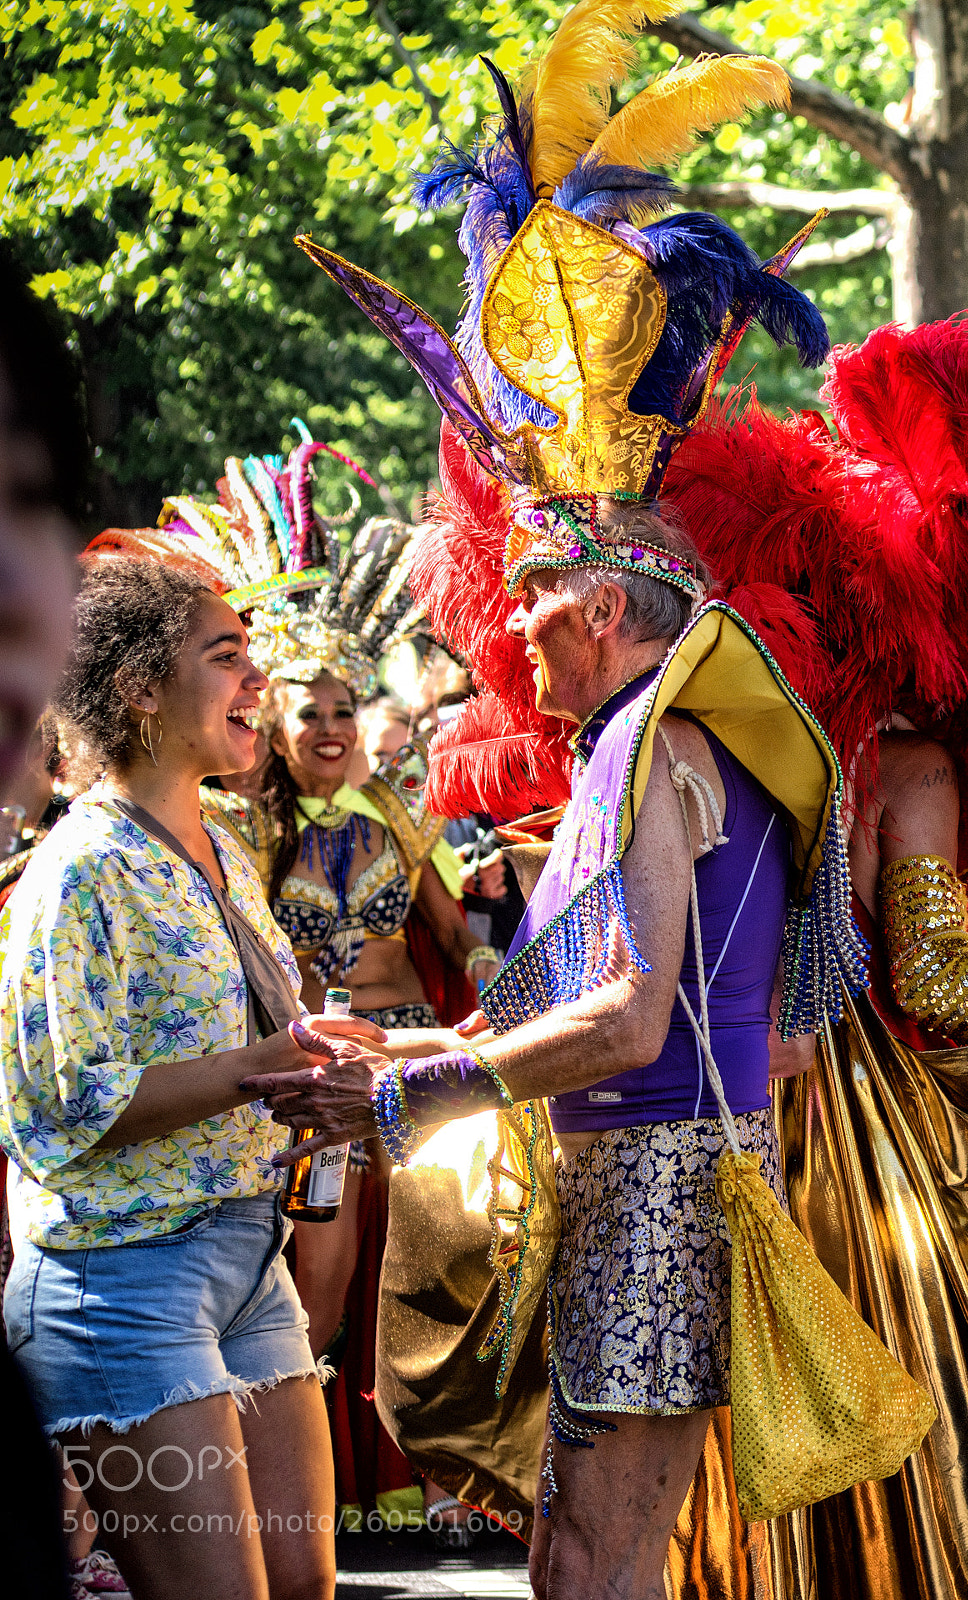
<point>566,958</point>
<point>823,951</point>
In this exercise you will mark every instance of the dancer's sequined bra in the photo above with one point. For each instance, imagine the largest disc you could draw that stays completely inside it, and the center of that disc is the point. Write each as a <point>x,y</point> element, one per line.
<point>377,906</point>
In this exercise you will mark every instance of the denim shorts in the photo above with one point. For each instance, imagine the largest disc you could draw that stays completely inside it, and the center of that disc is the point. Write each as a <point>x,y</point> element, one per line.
<point>115,1334</point>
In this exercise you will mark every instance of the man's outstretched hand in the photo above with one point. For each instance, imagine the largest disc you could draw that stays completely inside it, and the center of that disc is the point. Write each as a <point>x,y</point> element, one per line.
<point>333,1100</point>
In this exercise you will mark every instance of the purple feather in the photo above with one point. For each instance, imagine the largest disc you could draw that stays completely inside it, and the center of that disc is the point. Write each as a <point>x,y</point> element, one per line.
<point>710,274</point>
<point>517,133</point>
<point>602,193</point>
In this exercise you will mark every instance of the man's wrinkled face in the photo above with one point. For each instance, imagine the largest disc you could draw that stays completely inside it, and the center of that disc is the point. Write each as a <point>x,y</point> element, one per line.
<point>559,645</point>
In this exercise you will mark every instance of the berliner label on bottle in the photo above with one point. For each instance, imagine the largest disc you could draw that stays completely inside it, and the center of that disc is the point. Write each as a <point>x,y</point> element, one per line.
<point>325,1185</point>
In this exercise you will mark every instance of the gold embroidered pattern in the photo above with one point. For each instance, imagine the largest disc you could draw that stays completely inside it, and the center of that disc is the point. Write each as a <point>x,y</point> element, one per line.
<point>571,317</point>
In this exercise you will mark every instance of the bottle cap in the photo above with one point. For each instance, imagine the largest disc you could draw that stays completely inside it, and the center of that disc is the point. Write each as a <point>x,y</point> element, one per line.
<point>338,997</point>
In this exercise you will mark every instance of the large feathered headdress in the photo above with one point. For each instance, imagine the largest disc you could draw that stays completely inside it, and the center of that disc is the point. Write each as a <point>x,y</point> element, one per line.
<point>594,329</point>
<point>311,606</point>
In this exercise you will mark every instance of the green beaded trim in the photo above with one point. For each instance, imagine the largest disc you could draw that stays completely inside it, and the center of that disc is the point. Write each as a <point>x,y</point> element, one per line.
<point>485,1065</point>
<point>594,557</point>
<point>500,1334</point>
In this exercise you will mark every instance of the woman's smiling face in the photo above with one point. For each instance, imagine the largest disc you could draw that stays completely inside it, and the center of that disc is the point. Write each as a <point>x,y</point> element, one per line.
<point>209,703</point>
<point>316,733</point>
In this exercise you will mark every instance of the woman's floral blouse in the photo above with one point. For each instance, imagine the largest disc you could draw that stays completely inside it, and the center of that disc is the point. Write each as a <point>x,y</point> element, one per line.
<point>115,956</point>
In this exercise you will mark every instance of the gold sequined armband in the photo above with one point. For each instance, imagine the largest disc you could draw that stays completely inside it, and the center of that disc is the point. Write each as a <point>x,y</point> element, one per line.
<point>923,916</point>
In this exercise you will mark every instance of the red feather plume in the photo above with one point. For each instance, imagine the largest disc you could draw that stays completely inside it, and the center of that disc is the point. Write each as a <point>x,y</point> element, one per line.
<point>499,755</point>
<point>867,533</point>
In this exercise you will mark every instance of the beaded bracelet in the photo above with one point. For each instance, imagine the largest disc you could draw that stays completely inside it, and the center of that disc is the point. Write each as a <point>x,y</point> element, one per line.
<point>400,1135</point>
<point>480,952</point>
<point>408,1097</point>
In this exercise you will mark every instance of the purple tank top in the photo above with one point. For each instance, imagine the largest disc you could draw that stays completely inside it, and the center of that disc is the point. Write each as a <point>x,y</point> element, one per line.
<point>742,889</point>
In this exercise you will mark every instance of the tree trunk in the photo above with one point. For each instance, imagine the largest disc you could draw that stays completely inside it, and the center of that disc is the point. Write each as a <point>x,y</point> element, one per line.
<point>932,243</point>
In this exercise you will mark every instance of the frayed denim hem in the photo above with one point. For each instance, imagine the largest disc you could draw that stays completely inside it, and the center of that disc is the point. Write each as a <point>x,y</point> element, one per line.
<point>243,1392</point>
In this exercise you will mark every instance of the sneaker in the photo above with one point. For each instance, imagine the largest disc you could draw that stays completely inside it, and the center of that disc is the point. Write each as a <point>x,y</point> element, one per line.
<point>97,1574</point>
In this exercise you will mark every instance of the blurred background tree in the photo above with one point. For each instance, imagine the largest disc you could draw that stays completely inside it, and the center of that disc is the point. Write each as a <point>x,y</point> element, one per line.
<point>156,158</point>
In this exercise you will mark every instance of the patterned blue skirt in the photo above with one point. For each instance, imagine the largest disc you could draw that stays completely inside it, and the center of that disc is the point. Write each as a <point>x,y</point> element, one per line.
<point>639,1294</point>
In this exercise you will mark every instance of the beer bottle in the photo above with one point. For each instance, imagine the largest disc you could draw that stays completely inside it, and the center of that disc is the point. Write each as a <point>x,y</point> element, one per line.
<point>314,1187</point>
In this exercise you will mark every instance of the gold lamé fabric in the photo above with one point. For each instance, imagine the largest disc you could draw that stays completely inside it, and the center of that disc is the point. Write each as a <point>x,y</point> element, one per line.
<point>439,1298</point>
<point>924,909</point>
<point>714,1554</point>
<point>876,1149</point>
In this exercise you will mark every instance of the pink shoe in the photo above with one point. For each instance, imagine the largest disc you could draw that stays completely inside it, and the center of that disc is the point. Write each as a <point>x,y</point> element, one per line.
<point>97,1575</point>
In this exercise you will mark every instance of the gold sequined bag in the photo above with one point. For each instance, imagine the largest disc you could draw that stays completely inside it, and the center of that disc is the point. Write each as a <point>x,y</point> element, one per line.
<point>818,1403</point>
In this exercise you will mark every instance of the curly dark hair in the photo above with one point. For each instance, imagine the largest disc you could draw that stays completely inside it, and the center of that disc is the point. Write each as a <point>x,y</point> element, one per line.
<point>131,620</point>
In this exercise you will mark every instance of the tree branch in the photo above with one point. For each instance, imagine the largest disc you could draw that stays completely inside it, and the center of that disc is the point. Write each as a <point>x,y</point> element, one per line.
<point>388,25</point>
<point>836,114</point>
<point>869,202</point>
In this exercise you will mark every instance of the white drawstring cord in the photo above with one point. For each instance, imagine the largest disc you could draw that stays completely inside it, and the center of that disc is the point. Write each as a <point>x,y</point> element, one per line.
<point>682,775</point>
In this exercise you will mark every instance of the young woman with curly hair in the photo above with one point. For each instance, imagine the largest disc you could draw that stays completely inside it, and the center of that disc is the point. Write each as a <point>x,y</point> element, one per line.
<point>143,980</point>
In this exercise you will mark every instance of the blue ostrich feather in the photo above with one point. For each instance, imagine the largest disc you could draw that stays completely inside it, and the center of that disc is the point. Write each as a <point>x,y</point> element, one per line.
<point>707,271</point>
<point>499,199</point>
<point>599,192</point>
<point>517,123</point>
<point>495,177</point>
<point>491,172</point>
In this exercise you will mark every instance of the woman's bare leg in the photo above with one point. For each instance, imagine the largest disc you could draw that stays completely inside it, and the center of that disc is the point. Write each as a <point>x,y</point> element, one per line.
<point>291,1476</point>
<point>611,1520</point>
<point>174,1504</point>
<point>203,1502</point>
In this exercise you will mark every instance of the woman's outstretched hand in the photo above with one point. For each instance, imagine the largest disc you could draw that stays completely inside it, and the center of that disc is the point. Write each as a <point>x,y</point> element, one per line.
<point>315,1033</point>
<point>333,1100</point>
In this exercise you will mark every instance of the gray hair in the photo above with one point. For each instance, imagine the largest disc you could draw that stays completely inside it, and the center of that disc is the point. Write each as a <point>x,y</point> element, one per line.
<point>654,609</point>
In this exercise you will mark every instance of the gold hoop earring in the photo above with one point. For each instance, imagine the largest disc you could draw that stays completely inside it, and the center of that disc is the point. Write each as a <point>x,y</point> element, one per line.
<point>146,734</point>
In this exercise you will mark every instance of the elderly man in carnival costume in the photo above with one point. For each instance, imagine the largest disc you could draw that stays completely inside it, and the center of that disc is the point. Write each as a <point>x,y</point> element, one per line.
<point>592,339</point>
<point>848,551</point>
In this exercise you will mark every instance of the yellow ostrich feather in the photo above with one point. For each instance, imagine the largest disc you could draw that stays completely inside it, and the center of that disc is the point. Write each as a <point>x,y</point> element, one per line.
<point>662,121</point>
<point>569,87</point>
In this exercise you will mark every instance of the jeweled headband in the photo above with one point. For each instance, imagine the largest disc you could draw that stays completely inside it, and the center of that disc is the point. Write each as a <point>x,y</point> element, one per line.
<point>562,531</point>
